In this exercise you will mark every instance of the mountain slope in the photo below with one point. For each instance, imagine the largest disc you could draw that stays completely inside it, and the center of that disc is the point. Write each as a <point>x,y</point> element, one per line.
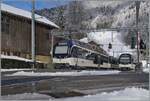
<point>99,15</point>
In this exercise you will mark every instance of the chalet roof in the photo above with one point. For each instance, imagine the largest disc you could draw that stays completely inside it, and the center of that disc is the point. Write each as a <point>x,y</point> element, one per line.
<point>27,14</point>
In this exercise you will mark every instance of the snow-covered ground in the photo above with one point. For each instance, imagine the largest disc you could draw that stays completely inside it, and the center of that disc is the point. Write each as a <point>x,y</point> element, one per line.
<point>26,96</point>
<point>146,70</point>
<point>7,70</point>
<point>144,65</point>
<point>105,37</point>
<point>128,94</point>
<point>15,58</point>
<point>73,73</point>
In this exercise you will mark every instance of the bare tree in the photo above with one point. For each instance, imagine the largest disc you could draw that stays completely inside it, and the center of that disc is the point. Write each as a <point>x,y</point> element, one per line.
<point>75,16</point>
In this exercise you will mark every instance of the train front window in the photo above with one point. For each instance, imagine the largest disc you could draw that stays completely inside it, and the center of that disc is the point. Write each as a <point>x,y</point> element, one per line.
<point>125,60</point>
<point>61,49</point>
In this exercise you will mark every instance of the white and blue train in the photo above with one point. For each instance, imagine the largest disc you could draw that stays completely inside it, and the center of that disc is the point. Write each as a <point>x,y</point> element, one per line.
<point>78,55</point>
<point>126,62</point>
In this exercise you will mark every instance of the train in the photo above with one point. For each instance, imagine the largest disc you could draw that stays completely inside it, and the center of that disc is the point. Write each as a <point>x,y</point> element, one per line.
<point>79,55</point>
<point>73,54</point>
<point>126,62</point>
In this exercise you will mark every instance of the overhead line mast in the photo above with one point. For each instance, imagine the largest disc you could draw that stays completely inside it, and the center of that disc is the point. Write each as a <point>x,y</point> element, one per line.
<point>33,34</point>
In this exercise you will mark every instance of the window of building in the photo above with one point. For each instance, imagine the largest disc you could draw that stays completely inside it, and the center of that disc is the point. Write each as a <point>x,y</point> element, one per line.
<point>5,24</point>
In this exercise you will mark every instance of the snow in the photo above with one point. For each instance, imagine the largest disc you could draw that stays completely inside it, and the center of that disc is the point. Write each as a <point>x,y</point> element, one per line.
<point>73,73</point>
<point>122,20</point>
<point>27,14</point>
<point>85,40</point>
<point>128,94</point>
<point>88,4</point>
<point>15,58</point>
<point>144,65</point>
<point>105,37</point>
<point>125,17</point>
<point>146,70</point>
<point>14,69</point>
<point>25,96</point>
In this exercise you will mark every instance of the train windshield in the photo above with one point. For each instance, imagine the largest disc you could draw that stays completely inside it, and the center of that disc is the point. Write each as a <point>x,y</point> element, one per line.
<point>125,59</point>
<point>61,49</point>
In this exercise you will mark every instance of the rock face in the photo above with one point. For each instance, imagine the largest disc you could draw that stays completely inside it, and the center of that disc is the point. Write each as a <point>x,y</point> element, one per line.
<point>78,15</point>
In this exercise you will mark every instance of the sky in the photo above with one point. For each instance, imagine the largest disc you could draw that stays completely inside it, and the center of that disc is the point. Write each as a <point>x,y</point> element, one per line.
<point>39,4</point>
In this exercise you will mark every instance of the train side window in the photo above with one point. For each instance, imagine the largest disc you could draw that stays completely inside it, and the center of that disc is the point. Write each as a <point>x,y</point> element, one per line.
<point>82,53</point>
<point>90,56</point>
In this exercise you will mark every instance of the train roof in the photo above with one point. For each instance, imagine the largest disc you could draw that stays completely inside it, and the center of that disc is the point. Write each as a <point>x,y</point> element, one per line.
<point>88,46</point>
<point>126,54</point>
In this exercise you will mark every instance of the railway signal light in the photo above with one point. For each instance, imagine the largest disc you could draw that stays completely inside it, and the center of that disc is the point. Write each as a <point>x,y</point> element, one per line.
<point>110,46</point>
<point>142,46</point>
<point>133,42</point>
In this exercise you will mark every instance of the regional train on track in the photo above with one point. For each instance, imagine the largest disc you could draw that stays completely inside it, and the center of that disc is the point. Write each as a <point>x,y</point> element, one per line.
<point>78,55</point>
<point>126,62</point>
<point>73,54</point>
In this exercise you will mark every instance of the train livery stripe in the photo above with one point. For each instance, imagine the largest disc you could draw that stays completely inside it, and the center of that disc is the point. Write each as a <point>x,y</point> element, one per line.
<point>80,62</point>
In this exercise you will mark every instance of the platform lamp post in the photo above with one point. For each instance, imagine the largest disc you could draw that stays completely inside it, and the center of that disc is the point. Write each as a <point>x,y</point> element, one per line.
<point>33,35</point>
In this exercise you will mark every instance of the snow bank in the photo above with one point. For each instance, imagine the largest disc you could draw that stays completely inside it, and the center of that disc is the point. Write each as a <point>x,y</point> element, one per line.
<point>25,96</point>
<point>74,73</point>
<point>128,94</point>
<point>146,70</point>
<point>7,70</point>
<point>15,58</point>
<point>144,65</point>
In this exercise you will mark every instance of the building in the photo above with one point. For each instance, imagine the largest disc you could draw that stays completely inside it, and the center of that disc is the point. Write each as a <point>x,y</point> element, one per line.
<point>16,33</point>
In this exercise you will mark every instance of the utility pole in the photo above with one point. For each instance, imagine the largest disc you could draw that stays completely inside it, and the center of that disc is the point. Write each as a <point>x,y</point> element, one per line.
<point>52,43</point>
<point>0,44</point>
<point>33,34</point>
<point>149,47</point>
<point>33,84</point>
<point>137,3</point>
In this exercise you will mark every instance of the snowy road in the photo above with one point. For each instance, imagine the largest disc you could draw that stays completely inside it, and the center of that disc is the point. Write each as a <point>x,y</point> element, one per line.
<point>127,94</point>
<point>85,84</point>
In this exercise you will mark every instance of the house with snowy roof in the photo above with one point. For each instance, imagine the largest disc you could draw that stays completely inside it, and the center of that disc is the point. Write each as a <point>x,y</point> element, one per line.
<point>16,33</point>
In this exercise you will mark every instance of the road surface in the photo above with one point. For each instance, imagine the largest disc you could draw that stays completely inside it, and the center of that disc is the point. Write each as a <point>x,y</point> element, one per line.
<point>58,85</point>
